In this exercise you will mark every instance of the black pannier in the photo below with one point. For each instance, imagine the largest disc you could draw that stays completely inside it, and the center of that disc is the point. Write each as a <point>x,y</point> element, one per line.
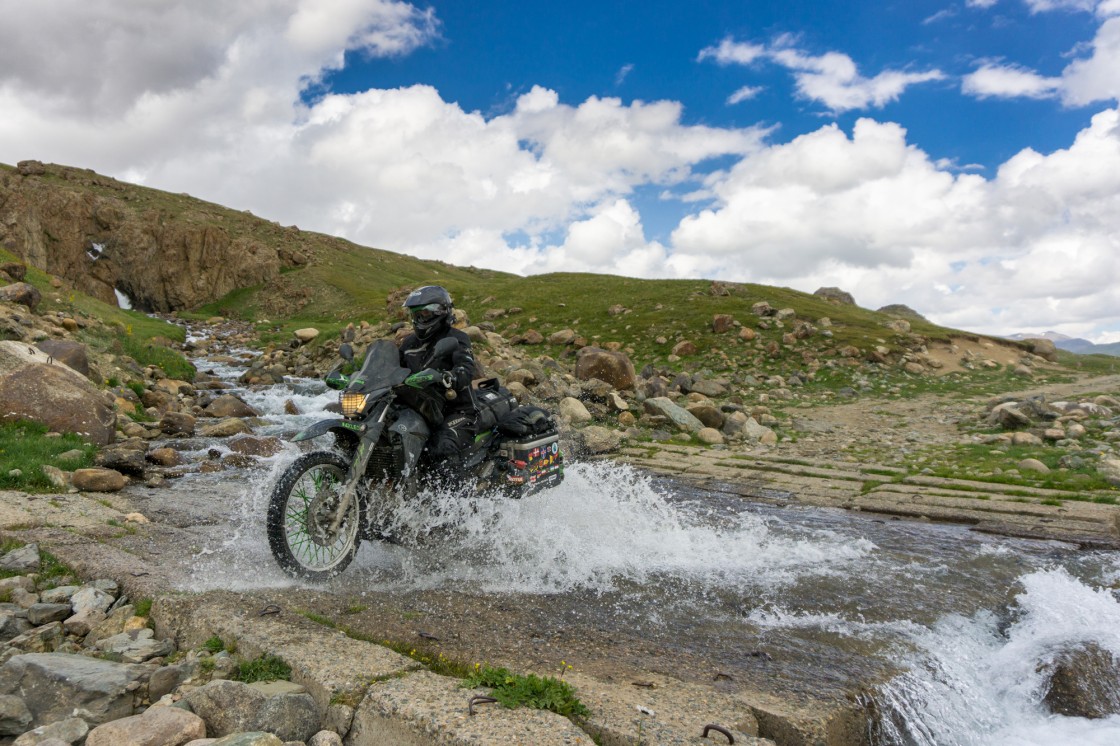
<point>493,403</point>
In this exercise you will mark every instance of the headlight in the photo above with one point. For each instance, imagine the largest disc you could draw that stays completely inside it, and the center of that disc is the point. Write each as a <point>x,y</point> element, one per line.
<point>351,403</point>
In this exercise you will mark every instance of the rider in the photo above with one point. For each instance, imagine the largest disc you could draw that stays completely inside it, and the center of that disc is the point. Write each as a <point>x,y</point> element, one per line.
<point>431,310</point>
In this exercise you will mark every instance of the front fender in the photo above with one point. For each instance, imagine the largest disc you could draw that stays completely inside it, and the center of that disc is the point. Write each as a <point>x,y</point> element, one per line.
<point>322,427</point>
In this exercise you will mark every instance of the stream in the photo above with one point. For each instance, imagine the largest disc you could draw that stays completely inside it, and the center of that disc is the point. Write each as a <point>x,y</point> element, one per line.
<point>946,629</point>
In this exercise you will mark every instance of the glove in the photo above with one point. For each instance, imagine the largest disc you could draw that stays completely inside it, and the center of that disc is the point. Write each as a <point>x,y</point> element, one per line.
<point>424,378</point>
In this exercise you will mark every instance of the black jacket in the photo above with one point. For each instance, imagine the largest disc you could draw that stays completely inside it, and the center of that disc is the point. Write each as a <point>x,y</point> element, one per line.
<point>415,353</point>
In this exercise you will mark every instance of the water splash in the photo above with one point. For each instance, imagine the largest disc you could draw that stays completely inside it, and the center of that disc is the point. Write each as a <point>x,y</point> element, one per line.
<point>974,684</point>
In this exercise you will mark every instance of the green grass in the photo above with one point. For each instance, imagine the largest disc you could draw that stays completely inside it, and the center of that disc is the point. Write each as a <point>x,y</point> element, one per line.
<point>527,690</point>
<point>265,668</point>
<point>214,645</point>
<point>26,447</point>
<point>985,463</point>
<point>512,690</point>
<point>143,607</point>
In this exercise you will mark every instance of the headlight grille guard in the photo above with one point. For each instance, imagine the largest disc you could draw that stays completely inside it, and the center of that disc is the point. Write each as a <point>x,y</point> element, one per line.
<point>352,403</point>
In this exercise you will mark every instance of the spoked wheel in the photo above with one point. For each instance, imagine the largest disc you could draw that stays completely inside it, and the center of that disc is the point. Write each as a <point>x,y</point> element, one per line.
<point>300,513</point>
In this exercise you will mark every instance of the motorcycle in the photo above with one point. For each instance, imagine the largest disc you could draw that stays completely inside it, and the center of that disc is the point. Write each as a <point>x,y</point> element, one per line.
<point>328,501</point>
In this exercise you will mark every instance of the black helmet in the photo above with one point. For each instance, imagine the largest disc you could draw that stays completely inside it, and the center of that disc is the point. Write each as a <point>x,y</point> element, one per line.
<point>430,308</point>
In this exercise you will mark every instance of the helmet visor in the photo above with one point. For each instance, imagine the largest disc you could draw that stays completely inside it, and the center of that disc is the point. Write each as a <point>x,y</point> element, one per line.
<point>427,313</point>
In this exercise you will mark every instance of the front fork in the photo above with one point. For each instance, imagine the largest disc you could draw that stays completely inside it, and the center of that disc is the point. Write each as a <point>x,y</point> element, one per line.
<point>413,432</point>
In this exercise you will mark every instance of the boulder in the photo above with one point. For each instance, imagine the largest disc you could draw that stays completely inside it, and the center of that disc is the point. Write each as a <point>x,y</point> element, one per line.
<point>54,685</point>
<point>177,423</point>
<point>684,347</point>
<point>1044,348</point>
<point>98,480</point>
<point>1008,416</point>
<point>595,439</point>
<point>304,336</point>
<point>574,411</point>
<point>1084,682</point>
<point>836,295</point>
<point>225,428</point>
<point>251,446</point>
<point>41,613</point>
<point>156,726</point>
<point>125,458</point>
<point>21,293</point>
<point>710,435</point>
<point>680,417</point>
<point>707,413</point>
<point>232,707</point>
<point>89,598</point>
<point>562,337</point>
<point>722,322</point>
<point>611,366</point>
<point>164,457</point>
<point>59,399</point>
<point>228,405</point>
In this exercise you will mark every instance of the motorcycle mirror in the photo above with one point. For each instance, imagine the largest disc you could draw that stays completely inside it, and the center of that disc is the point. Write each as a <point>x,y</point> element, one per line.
<point>346,351</point>
<point>444,347</point>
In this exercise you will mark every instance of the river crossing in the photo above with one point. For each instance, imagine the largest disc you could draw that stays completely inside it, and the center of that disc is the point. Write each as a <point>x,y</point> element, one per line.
<point>621,575</point>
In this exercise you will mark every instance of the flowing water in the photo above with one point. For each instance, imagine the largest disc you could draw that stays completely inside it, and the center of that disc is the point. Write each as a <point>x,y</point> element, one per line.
<point>957,624</point>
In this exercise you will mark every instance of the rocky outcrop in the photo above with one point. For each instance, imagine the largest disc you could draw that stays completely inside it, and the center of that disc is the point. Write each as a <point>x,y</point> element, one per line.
<point>168,253</point>
<point>836,295</point>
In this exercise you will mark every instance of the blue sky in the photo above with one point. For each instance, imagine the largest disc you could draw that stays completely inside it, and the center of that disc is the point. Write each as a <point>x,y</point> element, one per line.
<point>962,157</point>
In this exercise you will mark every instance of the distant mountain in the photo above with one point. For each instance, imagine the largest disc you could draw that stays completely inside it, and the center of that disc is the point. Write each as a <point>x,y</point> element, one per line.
<point>1073,344</point>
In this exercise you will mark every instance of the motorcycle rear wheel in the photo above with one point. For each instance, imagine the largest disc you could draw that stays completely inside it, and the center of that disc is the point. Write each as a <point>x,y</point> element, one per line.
<point>299,515</point>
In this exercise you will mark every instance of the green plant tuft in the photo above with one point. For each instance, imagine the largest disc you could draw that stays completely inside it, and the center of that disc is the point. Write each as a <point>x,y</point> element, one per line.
<point>265,668</point>
<point>527,690</point>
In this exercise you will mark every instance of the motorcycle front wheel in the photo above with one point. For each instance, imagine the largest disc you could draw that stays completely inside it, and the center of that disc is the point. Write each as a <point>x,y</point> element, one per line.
<point>300,513</point>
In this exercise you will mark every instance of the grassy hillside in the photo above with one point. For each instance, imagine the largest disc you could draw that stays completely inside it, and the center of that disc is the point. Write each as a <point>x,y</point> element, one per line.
<point>336,282</point>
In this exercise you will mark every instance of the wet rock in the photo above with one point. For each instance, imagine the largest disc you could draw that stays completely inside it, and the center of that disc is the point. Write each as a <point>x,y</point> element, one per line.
<point>98,480</point>
<point>156,726</point>
<point>229,405</point>
<point>225,428</point>
<point>56,684</point>
<point>177,423</point>
<point>251,446</point>
<point>164,457</point>
<point>1084,682</point>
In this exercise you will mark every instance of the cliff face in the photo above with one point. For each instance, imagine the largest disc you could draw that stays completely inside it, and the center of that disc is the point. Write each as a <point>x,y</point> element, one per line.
<point>164,251</point>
